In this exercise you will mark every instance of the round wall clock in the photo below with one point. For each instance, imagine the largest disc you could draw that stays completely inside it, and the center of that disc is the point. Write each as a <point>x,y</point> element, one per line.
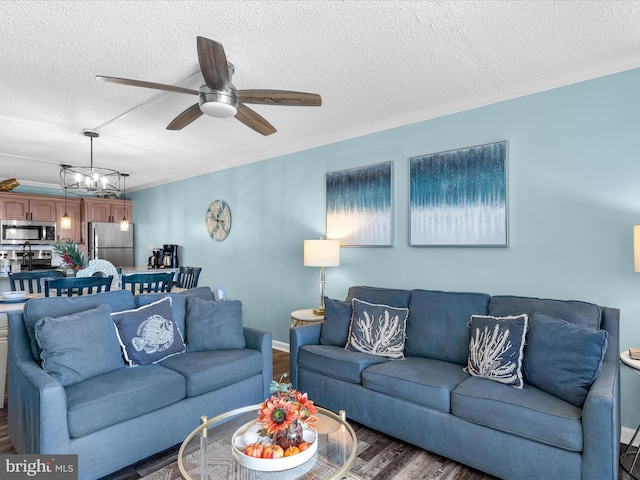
<point>218,220</point>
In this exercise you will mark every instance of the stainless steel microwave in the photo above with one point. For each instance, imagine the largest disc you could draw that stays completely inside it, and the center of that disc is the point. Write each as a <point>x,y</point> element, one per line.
<point>17,232</point>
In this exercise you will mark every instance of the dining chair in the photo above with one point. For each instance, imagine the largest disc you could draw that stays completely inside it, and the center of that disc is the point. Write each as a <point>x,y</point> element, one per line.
<point>76,286</point>
<point>31,281</point>
<point>148,282</point>
<point>188,277</point>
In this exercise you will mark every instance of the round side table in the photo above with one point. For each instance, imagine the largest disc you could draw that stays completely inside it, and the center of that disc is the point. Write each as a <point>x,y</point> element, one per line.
<point>305,317</point>
<point>634,365</point>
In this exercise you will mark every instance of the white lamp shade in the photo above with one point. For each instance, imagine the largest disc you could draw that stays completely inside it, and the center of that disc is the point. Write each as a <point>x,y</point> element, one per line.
<point>636,248</point>
<point>321,253</point>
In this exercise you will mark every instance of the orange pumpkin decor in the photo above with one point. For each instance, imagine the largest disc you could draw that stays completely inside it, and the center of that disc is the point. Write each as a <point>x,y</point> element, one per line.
<point>303,446</point>
<point>273,451</point>
<point>291,451</point>
<point>254,450</point>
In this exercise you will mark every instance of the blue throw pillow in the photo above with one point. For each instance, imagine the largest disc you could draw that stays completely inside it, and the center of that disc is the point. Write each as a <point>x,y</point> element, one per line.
<point>148,334</point>
<point>377,329</point>
<point>335,327</point>
<point>496,348</point>
<point>79,346</point>
<point>574,311</point>
<point>178,302</point>
<point>214,325</point>
<point>380,296</point>
<point>38,308</point>
<point>563,358</point>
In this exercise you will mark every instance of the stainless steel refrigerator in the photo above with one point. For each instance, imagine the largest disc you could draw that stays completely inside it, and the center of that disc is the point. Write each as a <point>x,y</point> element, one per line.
<point>107,242</point>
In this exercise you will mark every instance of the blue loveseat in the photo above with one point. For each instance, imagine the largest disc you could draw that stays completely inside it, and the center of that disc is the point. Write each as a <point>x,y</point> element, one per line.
<point>116,418</point>
<point>428,399</point>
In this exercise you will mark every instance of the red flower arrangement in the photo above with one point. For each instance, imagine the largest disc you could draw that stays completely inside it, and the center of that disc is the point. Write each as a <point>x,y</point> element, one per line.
<point>280,412</point>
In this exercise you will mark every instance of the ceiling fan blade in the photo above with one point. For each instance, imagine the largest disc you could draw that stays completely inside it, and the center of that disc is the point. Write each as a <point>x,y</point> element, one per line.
<point>279,97</point>
<point>185,118</point>
<point>213,64</point>
<point>254,121</point>
<point>140,83</point>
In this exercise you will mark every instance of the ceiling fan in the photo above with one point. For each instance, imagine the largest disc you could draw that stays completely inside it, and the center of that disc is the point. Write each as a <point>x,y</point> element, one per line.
<point>218,97</point>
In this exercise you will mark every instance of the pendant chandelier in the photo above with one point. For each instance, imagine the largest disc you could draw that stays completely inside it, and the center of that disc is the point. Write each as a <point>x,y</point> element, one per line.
<point>90,180</point>
<point>124,223</point>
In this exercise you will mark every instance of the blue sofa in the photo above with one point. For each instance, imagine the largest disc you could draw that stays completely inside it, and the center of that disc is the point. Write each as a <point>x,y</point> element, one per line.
<point>116,418</point>
<point>429,400</point>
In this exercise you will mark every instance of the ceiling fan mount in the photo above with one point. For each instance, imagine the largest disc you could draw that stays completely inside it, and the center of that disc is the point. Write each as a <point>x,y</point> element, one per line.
<point>219,98</point>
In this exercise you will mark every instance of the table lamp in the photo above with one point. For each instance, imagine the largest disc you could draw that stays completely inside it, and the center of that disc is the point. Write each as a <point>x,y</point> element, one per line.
<point>321,253</point>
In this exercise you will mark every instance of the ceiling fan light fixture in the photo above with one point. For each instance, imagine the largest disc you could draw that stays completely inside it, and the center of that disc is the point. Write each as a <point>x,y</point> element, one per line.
<point>216,103</point>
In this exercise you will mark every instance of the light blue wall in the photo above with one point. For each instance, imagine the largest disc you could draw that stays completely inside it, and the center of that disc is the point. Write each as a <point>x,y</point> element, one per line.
<point>574,195</point>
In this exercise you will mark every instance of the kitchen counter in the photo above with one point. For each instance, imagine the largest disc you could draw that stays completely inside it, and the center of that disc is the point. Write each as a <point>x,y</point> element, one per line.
<point>4,336</point>
<point>145,269</point>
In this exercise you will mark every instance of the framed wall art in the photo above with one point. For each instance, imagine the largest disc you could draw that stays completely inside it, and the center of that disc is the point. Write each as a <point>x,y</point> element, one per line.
<point>359,206</point>
<point>459,197</point>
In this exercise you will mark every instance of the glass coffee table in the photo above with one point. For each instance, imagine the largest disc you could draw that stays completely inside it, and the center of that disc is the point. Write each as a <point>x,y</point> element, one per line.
<point>206,454</point>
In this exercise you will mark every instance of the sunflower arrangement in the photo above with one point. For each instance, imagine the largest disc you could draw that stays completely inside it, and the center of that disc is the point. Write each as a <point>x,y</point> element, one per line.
<point>70,254</point>
<point>286,407</point>
<point>281,424</point>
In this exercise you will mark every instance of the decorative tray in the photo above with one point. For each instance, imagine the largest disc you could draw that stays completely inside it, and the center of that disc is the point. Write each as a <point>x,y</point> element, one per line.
<point>13,297</point>
<point>239,442</point>
<point>13,300</point>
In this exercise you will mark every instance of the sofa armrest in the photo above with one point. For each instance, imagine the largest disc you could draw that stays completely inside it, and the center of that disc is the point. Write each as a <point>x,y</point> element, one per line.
<point>601,410</point>
<point>299,336</point>
<point>263,342</point>
<point>37,402</point>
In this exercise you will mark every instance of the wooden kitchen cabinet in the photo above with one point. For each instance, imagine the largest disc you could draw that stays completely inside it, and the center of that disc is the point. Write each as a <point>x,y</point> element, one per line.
<point>15,206</point>
<point>73,209</point>
<point>105,210</point>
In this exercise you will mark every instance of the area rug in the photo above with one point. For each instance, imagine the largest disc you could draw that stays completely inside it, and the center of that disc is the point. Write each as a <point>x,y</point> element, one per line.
<point>379,457</point>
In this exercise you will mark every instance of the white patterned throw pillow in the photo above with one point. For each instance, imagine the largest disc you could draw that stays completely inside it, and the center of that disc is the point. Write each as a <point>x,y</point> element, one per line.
<point>377,329</point>
<point>496,346</point>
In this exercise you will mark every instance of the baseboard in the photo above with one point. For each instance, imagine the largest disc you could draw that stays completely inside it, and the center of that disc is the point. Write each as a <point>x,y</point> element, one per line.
<point>626,434</point>
<point>276,345</point>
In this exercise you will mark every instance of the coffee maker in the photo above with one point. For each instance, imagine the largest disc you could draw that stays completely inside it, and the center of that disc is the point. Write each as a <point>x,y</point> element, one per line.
<point>156,258</point>
<point>170,258</point>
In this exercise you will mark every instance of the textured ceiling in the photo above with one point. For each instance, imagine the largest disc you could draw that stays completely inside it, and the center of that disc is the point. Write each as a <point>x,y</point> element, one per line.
<point>376,64</point>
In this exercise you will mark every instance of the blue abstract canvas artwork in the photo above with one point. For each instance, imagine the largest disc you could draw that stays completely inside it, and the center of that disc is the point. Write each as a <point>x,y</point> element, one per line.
<point>359,206</point>
<point>459,197</point>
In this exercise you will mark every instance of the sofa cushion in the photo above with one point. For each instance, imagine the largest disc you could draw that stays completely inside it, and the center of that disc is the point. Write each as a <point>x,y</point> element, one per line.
<point>178,302</point>
<point>563,358</point>
<point>496,348</point>
<point>418,380</point>
<point>383,296</point>
<point>335,327</point>
<point>120,395</point>
<point>37,308</point>
<point>377,329</point>
<point>148,334</point>
<point>79,346</point>
<point>437,325</point>
<point>213,325</point>
<point>528,412</point>
<point>209,370</point>
<point>581,313</point>
<point>336,362</point>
